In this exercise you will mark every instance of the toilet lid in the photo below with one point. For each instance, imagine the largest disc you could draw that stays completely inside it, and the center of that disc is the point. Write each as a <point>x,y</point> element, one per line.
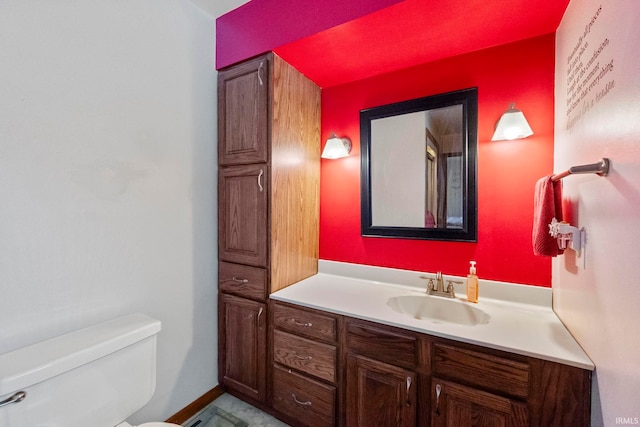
<point>159,425</point>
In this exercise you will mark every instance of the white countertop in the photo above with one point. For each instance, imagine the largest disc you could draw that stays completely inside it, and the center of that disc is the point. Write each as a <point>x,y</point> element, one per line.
<point>521,321</point>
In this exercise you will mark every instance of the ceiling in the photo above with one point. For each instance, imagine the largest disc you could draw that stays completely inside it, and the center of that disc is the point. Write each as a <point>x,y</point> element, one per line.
<point>415,32</point>
<point>215,8</point>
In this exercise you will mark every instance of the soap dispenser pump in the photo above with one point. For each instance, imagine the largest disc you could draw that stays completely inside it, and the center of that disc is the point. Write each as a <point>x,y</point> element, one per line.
<point>472,284</point>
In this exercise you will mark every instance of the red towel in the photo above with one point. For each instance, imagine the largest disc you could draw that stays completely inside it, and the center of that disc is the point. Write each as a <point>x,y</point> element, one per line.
<point>546,206</point>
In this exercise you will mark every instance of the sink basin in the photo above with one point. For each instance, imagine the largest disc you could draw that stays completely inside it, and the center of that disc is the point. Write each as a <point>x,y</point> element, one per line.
<point>436,309</point>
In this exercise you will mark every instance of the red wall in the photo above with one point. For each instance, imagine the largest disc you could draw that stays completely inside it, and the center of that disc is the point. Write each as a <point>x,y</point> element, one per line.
<point>521,72</point>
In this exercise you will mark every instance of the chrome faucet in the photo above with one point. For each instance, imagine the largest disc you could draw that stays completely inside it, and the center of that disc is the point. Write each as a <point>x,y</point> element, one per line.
<point>437,288</point>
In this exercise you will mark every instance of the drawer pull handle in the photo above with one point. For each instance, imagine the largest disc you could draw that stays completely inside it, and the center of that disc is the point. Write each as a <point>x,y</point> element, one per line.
<point>240,280</point>
<point>260,313</point>
<point>295,399</point>
<point>408,388</point>
<point>302,357</point>
<point>438,391</point>
<point>304,325</point>
<point>260,180</point>
<point>260,71</point>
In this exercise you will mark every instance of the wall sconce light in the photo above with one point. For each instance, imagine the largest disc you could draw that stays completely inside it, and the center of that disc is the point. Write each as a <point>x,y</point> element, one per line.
<point>336,148</point>
<point>512,125</point>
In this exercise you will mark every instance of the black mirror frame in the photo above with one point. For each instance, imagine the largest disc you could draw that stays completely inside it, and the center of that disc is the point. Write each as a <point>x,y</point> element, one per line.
<point>468,98</point>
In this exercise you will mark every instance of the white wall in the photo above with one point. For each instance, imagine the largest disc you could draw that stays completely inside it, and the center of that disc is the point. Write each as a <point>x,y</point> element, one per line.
<point>599,303</point>
<point>108,177</point>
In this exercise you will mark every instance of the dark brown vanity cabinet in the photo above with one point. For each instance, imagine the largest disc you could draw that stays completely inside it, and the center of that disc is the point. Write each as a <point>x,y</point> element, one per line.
<point>388,376</point>
<point>268,207</point>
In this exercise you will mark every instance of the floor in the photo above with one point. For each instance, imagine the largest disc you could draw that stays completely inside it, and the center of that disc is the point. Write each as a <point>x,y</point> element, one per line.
<point>229,411</point>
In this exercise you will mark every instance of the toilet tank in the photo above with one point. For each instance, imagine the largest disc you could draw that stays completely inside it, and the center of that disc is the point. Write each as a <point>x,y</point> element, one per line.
<point>93,377</point>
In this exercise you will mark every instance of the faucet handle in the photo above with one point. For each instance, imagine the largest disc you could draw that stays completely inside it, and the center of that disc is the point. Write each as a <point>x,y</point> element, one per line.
<point>430,285</point>
<point>429,278</point>
<point>450,290</point>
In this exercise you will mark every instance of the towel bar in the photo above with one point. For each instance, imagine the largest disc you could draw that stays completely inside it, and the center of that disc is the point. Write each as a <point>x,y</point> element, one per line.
<point>601,168</point>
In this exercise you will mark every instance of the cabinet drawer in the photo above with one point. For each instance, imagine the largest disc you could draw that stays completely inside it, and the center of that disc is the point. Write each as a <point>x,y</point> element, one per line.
<point>493,373</point>
<point>308,356</point>
<point>308,401</point>
<point>304,322</point>
<point>382,344</point>
<point>249,282</point>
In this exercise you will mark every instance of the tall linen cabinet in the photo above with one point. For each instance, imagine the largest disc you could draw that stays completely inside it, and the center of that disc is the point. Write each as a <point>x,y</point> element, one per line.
<point>268,207</point>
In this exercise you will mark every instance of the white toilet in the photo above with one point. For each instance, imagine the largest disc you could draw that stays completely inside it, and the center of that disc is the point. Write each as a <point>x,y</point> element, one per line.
<point>95,377</point>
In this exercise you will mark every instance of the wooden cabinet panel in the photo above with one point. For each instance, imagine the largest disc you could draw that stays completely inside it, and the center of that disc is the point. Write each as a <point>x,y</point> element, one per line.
<point>487,371</point>
<point>242,280</point>
<point>455,405</point>
<point>295,174</point>
<point>242,215</point>
<point>243,113</point>
<point>310,357</point>
<point>560,395</point>
<point>382,343</point>
<point>309,402</point>
<point>243,342</point>
<point>379,394</point>
<point>311,324</point>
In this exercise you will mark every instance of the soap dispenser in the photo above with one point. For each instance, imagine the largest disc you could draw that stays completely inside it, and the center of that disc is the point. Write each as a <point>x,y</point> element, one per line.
<point>472,284</point>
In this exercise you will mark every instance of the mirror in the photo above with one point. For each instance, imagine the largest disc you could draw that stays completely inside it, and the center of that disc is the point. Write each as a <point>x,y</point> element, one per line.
<point>418,166</point>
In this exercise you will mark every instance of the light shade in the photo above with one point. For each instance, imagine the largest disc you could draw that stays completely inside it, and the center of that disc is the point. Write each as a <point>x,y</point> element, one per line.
<point>512,125</point>
<point>336,148</point>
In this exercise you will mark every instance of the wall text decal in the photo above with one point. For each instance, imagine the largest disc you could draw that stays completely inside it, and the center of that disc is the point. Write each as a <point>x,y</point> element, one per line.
<point>589,72</point>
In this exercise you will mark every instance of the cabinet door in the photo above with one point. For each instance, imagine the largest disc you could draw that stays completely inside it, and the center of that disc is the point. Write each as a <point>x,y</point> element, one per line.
<point>243,99</point>
<point>455,405</point>
<point>379,394</point>
<point>242,347</point>
<point>242,214</point>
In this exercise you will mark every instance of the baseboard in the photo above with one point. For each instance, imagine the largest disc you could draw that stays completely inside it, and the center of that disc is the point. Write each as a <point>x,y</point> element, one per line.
<point>194,407</point>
